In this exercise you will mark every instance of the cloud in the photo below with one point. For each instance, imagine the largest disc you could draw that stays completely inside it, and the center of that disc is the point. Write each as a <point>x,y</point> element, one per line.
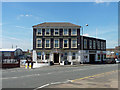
<point>22,27</point>
<point>12,38</point>
<point>23,15</point>
<point>86,34</point>
<point>103,1</point>
<point>99,1</point>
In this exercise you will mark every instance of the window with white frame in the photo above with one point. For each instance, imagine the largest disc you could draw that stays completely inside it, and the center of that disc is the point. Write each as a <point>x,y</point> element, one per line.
<point>65,56</point>
<point>85,43</point>
<point>39,31</point>
<point>90,44</point>
<point>94,44</point>
<point>65,43</point>
<point>47,31</point>
<point>74,32</point>
<point>47,56</point>
<point>73,55</point>
<point>39,43</point>
<point>74,43</point>
<point>101,45</point>
<point>98,44</point>
<point>39,55</point>
<point>56,43</point>
<point>47,43</point>
<point>104,45</point>
<point>56,32</point>
<point>65,32</point>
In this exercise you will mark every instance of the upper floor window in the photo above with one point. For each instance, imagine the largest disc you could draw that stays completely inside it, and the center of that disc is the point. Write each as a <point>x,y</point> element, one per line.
<point>85,43</point>
<point>56,32</point>
<point>47,43</point>
<point>90,44</point>
<point>65,43</point>
<point>39,43</point>
<point>65,32</point>
<point>74,43</point>
<point>47,32</point>
<point>104,45</point>
<point>74,32</point>
<point>39,31</point>
<point>94,44</point>
<point>98,44</point>
<point>7,54</point>
<point>56,43</point>
<point>101,45</point>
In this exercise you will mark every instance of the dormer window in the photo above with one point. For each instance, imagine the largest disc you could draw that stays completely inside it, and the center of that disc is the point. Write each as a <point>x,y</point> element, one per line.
<point>47,32</point>
<point>56,32</point>
<point>65,32</point>
<point>74,32</point>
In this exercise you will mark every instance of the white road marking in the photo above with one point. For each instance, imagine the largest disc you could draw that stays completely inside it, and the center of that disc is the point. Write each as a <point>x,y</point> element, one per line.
<point>42,86</point>
<point>52,84</point>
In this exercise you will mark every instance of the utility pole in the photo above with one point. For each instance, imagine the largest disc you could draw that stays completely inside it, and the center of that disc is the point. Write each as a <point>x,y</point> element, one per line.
<point>82,43</point>
<point>12,45</point>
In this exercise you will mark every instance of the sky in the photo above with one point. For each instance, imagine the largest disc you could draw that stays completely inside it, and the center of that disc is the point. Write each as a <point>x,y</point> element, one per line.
<point>19,17</point>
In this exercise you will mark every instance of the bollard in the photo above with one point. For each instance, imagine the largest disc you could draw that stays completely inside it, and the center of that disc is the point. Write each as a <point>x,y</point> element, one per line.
<point>29,65</point>
<point>26,65</point>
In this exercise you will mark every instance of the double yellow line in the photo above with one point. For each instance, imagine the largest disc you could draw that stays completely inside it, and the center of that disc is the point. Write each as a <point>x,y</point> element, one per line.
<point>94,75</point>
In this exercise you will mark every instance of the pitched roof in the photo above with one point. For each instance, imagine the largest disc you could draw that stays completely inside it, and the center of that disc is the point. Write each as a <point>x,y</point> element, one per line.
<point>56,24</point>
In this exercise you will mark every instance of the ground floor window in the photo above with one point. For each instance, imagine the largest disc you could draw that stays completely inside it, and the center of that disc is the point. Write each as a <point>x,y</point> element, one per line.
<point>73,55</point>
<point>98,56</point>
<point>65,56</point>
<point>47,56</point>
<point>104,56</point>
<point>39,55</point>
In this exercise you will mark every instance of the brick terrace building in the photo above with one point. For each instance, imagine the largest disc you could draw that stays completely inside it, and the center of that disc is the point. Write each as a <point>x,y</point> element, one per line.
<point>59,41</point>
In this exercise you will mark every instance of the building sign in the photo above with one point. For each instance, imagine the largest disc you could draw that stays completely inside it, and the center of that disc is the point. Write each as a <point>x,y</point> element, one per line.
<point>92,51</point>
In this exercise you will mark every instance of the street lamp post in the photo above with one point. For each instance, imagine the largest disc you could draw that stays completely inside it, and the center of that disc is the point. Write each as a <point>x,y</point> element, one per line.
<point>81,61</point>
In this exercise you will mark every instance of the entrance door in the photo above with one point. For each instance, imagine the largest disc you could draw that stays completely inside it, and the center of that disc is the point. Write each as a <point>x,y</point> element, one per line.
<point>92,58</point>
<point>56,58</point>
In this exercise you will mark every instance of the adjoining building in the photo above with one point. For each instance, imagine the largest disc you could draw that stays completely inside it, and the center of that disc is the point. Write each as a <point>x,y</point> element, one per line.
<point>10,57</point>
<point>60,41</point>
<point>113,52</point>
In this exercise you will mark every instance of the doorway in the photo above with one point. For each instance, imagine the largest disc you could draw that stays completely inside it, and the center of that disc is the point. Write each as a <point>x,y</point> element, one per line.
<point>92,58</point>
<point>56,57</point>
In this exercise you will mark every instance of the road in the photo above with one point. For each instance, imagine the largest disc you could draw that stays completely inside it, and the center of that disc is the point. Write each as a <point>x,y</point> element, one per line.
<point>41,77</point>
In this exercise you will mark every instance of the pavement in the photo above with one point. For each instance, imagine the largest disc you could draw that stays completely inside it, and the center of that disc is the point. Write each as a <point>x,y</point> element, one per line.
<point>103,80</point>
<point>46,76</point>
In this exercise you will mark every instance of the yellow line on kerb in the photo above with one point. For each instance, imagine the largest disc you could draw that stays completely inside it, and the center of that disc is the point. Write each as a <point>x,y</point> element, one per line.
<point>94,75</point>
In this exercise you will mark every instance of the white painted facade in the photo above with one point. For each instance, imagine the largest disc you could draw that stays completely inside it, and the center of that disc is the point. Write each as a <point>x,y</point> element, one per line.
<point>82,56</point>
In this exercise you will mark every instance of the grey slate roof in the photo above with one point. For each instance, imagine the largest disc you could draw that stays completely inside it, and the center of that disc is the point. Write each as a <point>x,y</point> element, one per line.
<point>56,24</point>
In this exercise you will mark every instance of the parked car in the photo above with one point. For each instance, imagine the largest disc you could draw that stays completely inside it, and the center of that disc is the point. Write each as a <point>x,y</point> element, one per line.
<point>117,60</point>
<point>109,61</point>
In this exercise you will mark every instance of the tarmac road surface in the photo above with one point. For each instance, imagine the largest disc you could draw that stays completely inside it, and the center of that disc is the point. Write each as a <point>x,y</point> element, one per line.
<point>41,77</point>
